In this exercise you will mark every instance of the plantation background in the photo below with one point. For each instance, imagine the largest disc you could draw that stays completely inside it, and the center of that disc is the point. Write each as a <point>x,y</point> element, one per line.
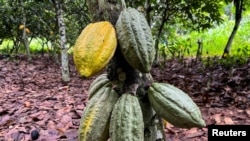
<point>214,40</point>
<point>177,35</point>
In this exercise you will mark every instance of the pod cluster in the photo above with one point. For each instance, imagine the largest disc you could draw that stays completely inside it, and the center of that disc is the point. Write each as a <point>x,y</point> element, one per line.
<point>119,117</point>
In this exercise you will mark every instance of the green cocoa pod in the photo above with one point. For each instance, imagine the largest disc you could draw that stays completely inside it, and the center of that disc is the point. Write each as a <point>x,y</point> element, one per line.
<point>94,124</point>
<point>101,81</point>
<point>175,106</point>
<point>126,120</point>
<point>135,39</point>
<point>98,78</point>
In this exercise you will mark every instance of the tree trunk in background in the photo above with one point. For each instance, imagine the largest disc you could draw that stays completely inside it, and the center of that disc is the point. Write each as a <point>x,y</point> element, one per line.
<point>103,10</point>
<point>24,36</point>
<point>199,50</point>
<point>230,14</point>
<point>164,16</point>
<point>64,49</point>
<point>238,15</point>
<point>148,9</point>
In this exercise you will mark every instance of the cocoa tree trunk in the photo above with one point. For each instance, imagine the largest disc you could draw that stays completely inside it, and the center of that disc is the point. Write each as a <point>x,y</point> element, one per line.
<point>148,9</point>
<point>199,50</point>
<point>238,15</point>
<point>24,36</point>
<point>164,16</point>
<point>64,49</point>
<point>103,10</point>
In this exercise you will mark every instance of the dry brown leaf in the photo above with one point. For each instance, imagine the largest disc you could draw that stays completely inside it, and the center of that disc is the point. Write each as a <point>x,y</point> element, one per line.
<point>27,104</point>
<point>2,133</point>
<point>6,120</point>
<point>80,107</point>
<point>63,111</point>
<point>74,115</point>
<point>79,112</point>
<point>66,119</point>
<point>22,129</point>
<point>227,88</point>
<point>194,135</point>
<point>48,135</point>
<point>64,88</point>
<point>42,123</point>
<point>247,112</point>
<point>228,120</point>
<point>217,118</point>
<point>51,124</point>
<point>61,130</point>
<point>35,115</point>
<point>1,110</point>
<point>192,131</point>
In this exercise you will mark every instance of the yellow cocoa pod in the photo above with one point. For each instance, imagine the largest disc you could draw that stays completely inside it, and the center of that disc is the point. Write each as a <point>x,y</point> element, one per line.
<point>94,48</point>
<point>27,30</point>
<point>21,26</point>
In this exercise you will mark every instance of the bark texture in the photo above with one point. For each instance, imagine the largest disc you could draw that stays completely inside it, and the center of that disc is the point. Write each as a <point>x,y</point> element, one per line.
<point>238,15</point>
<point>24,36</point>
<point>63,41</point>
<point>164,16</point>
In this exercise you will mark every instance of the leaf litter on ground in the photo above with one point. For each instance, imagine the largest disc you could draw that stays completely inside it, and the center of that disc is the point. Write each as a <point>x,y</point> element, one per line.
<point>33,97</point>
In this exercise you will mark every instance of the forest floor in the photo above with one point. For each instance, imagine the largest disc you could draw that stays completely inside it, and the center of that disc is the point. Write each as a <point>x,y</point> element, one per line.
<point>33,97</point>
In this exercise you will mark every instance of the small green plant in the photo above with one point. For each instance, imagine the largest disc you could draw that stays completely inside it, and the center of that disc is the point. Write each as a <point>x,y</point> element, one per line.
<point>36,46</point>
<point>214,41</point>
<point>175,49</point>
<point>227,62</point>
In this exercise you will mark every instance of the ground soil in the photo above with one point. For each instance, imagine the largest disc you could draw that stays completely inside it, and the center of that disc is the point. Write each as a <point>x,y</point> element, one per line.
<point>33,97</point>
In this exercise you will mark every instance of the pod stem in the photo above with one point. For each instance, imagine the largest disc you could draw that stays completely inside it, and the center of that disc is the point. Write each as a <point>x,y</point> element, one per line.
<point>123,4</point>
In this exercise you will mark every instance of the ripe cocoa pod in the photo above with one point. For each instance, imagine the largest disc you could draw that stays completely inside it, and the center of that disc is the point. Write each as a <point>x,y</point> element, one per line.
<point>175,106</point>
<point>126,120</point>
<point>94,48</point>
<point>94,124</point>
<point>135,39</point>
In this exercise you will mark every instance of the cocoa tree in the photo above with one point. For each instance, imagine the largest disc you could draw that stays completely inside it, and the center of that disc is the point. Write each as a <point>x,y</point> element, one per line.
<point>109,11</point>
<point>24,36</point>
<point>239,7</point>
<point>64,54</point>
<point>134,104</point>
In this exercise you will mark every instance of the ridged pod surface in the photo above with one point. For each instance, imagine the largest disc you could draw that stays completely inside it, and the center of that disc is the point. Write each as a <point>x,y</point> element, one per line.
<point>135,39</point>
<point>94,124</point>
<point>175,106</point>
<point>94,48</point>
<point>98,78</point>
<point>101,81</point>
<point>126,120</point>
